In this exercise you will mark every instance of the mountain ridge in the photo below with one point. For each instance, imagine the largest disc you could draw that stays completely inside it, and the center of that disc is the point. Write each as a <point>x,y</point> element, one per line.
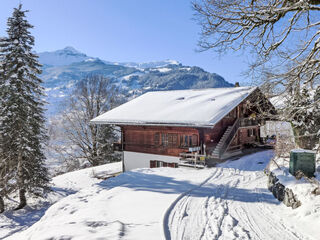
<point>63,68</point>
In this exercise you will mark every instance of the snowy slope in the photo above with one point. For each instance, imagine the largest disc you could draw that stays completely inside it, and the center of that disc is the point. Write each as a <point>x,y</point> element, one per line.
<point>130,206</point>
<point>63,185</point>
<point>227,202</point>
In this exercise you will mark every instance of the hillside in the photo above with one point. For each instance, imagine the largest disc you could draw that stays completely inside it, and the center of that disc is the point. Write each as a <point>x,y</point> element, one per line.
<point>230,201</point>
<point>63,68</point>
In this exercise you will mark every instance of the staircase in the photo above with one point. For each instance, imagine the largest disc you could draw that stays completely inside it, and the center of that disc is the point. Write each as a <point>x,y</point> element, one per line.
<point>225,140</point>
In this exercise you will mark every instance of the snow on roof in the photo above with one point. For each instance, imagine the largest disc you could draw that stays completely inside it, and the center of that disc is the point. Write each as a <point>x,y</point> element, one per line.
<point>299,150</point>
<point>276,128</point>
<point>198,107</point>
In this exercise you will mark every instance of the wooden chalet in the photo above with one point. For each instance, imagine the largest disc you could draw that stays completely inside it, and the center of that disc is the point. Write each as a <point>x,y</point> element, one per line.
<point>202,126</point>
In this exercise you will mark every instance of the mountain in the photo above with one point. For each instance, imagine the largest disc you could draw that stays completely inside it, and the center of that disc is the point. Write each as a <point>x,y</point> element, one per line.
<point>155,64</point>
<point>64,56</point>
<point>63,68</point>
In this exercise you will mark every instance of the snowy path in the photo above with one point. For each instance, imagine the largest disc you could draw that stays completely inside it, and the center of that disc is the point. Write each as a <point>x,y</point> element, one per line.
<point>232,204</point>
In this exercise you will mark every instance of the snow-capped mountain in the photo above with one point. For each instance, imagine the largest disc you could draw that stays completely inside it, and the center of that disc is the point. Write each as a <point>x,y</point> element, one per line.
<point>63,68</point>
<point>155,64</point>
<point>70,55</point>
<point>61,57</point>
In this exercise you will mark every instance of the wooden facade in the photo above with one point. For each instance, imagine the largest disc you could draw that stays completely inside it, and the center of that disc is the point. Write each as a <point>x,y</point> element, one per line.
<point>172,141</point>
<point>169,141</point>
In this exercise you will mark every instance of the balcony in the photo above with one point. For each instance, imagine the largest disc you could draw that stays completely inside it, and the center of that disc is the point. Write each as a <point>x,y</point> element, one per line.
<point>247,122</point>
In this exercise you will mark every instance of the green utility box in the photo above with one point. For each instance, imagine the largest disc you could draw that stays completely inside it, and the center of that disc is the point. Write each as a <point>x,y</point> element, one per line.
<point>303,160</point>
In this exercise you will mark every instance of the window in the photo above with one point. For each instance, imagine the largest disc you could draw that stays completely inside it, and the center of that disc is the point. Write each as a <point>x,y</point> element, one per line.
<point>250,132</point>
<point>164,139</point>
<point>181,141</point>
<point>157,139</point>
<point>156,164</point>
<point>188,140</point>
<point>254,132</point>
<point>194,140</point>
<point>159,164</point>
<point>173,139</point>
<point>153,164</point>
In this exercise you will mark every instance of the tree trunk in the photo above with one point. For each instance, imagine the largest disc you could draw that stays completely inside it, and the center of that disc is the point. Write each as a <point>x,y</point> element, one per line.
<point>23,200</point>
<point>1,205</point>
<point>20,182</point>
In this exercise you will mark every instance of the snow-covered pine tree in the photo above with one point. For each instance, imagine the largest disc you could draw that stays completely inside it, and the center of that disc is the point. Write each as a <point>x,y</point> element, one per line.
<point>22,130</point>
<point>3,167</point>
<point>302,108</point>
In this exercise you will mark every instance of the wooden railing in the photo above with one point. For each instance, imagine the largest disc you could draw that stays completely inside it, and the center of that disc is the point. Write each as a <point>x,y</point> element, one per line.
<point>246,122</point>
<point>234,148</point>
<point>230,136</point>
<point>194,158</point>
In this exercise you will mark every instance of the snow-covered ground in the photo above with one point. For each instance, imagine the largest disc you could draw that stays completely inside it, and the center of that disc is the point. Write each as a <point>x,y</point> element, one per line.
<point>235,204</point>
<point>308,214</point>
<point>230,201</point>
<point>64,185</point>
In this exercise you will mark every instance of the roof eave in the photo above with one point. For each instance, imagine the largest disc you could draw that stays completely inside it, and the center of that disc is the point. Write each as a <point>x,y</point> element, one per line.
<point>194,125</point>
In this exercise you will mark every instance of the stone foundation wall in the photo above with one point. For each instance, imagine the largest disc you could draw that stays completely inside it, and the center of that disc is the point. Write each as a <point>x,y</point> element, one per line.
<point>282,193</point>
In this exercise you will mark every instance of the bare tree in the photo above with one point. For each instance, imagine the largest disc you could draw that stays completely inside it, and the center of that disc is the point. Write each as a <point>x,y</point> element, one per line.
<point>281,36</point>
<point>91,97</point>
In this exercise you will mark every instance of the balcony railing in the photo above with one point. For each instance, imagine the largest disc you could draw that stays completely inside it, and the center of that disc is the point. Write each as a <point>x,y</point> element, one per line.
<point>246,122</point>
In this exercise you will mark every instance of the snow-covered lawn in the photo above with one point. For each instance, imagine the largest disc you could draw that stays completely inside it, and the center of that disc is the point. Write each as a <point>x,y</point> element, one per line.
<point>14,221</point>
<point>230,201</point>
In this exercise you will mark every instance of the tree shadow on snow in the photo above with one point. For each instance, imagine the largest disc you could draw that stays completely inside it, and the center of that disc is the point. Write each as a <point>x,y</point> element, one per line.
<point>24,218</point>
<point>139,181</point>
<point>226,192</point>
<point>251,162</point>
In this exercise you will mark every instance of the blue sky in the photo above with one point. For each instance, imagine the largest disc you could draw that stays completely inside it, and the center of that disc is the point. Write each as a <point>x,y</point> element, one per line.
<point>124,30</point>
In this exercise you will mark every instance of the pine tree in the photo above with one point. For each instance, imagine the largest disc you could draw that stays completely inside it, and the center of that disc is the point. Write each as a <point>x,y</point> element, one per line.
<point>22,131</point>
<point>3,168</point>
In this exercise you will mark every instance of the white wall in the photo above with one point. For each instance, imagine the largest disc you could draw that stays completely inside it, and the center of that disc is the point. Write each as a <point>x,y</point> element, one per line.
<point>134,160</point>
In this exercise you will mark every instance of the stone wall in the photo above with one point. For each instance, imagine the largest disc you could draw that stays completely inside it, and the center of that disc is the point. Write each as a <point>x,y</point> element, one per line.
<point>282,193</point>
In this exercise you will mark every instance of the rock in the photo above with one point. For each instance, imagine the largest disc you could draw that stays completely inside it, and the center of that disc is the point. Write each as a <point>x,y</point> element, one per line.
<point>282,193</point>
<point>272,179</point>
<point>290,199</point>
<point>316,191</point>
<point>278,191</point>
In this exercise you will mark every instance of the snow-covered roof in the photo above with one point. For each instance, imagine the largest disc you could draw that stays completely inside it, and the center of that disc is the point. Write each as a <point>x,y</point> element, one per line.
<point>276,128</point>
<point>196,107</point>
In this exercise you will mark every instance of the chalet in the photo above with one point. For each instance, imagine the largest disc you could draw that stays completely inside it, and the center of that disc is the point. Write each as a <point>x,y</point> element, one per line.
<point>164,128</point>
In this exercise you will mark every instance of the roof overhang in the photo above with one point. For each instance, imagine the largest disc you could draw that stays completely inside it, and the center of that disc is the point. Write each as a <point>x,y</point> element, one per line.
<point>118,123</point>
